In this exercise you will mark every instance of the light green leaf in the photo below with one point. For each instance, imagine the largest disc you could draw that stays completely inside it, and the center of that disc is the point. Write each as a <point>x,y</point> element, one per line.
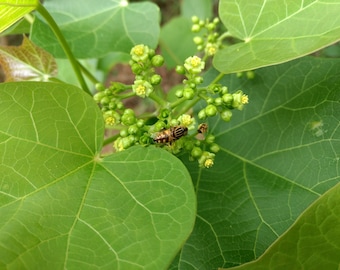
<point>63,206</point>
<point>311,243</point>
<point>277,156</point>
<point>12,11</point>
<point>176,41</point>
<point>200,8</point>
<point>93,29</point>
<point>275,31</point>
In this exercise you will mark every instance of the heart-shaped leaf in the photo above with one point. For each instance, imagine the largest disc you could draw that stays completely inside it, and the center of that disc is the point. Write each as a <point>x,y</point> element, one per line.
<point>93,29</point>
<point>277,156</point>
<point>27,62</point>
<point>275,31</point>
<point>62,205</point>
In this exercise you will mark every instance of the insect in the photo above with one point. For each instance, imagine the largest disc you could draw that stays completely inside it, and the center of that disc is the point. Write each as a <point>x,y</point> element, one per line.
<point>170,135</point>
<point>202,128</point>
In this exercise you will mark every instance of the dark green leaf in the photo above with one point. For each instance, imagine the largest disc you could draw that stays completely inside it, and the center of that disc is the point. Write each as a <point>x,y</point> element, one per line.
<point>277,156</point>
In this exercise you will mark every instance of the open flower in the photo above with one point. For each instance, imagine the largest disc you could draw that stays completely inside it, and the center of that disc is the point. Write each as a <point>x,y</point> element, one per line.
<point>187,121</point>
<point>194,64</point>
<point>142,88</point>
<point>140,53</point>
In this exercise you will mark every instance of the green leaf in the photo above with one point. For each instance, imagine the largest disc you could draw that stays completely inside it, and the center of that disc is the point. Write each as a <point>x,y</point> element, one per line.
<point>62,205</point>
<point>277,156</point>
<point>200,8</point>
<point>275,31</point>
<point>93,29</point>
<point>176,41</point>
<point>12,11</point>
<point>27,62</point>
<point>311,243</point>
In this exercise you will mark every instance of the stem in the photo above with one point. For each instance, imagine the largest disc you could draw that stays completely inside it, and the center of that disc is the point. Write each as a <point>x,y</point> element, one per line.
<point>218,78</point>
<point>190,105</point>
<point>110,139</point>
<point>157,99</point>
<point>54,27</point>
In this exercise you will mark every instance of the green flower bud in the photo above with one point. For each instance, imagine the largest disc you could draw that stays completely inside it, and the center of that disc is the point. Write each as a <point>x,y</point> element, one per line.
<point>210,139</point>
<point>164,114</point>
<point>123,133</point>
<point>157,60</point>
<point>174,122</point>
<point>216,20</point>
<point>195,19</point>
<point>133,129</point>
<point>201,114</point>
<point>128,117</point>
<point>120,105</point>
<point>188,93</point>
<point>218,101</point>
<point>214,147</point>
<point>105,101</point>
<point>99,87</point>
<point>155,79</point>
<point>180,70</point>
<point>224,90</point>
<point>159,125</point>
<point>198,40</point>
<point>195,28</point>
<point>98,96</point>
<point>140,123</point>
<point>211,26</point>
<point>136,68</point>
<point>196,152</point>
<point>226,115</point>
<point>250,74</point>
<point>198,80</point>
<point>179,93</point>
<point>227,99</point>
<point>211,110</point>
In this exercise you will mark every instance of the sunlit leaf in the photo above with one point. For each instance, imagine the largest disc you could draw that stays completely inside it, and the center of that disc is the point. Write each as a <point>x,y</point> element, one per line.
<point>27,62</point>
<point>13,10</point>
<point>63,206</point>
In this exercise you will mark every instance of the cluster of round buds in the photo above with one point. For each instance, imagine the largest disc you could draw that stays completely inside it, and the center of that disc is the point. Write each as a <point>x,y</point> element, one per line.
<point>202,150</point>
<point>132,131</point>
<point>209,42</point>
<point>110,103</point>
<point>222,103</point>
<point>191,69</point>
<point>143,61</point>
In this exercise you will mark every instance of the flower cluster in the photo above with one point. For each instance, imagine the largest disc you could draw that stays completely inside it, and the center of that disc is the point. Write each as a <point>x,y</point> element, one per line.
<point>143,60</point>
<point>209,42</point>
<point>220,101</point>
<point>169,127</point>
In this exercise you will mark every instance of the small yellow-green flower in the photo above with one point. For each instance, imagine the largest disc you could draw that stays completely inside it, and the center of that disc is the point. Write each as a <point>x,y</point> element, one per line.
<point>194,64</point>
<point>208,163</point>
<point>142,88</point>
<point>239,100</point>
<point>187,121</point>
<point>140,52</point>
<point>211,49</point>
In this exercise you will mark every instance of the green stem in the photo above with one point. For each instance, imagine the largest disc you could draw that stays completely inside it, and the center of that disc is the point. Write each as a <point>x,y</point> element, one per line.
<point>158,99</point>
<point>190,105</point>
<point>54,27</point>
<point>218,78</point>
<point>110,139</point>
